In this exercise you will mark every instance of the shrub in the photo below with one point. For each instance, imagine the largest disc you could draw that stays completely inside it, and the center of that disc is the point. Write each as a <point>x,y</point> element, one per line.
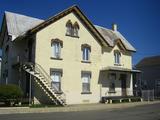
<point>10,93</point>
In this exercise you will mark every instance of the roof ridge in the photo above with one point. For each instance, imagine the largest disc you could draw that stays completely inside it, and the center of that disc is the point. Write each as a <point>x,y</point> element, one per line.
<point>103,27</point>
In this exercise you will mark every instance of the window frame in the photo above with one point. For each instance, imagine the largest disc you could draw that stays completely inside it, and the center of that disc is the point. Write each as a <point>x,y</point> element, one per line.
<point>56,45</point>
<point>86,85</point>
<point>69,30</point>
<point>76,30</point>
<point>72,30</point>
<point>86,53</point>
<point>53,73</point>
<point>117,57</point>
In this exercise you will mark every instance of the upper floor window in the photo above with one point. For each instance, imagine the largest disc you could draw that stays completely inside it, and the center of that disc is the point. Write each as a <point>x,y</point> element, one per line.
<point>72,29</point>
<point>75,29</point>
<point>56,48</point>
<point>86,49</point>
<point>69,28</point>
<point>117,57</point>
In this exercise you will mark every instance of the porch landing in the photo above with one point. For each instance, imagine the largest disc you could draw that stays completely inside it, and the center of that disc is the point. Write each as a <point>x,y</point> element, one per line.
<point>120,99</point>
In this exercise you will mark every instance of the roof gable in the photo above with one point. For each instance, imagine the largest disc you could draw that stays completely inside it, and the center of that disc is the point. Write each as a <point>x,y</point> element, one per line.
<point>20,25</point>
<point>112,36</point>
<point>80,15</point>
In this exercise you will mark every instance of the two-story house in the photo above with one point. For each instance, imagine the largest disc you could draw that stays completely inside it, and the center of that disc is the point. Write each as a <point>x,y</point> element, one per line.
<point>65,59</point>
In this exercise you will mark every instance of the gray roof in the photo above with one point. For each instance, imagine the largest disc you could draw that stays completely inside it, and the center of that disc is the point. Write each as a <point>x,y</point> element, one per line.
<point>149,61</point>
<point>110,36</point>
<point>19,24</point>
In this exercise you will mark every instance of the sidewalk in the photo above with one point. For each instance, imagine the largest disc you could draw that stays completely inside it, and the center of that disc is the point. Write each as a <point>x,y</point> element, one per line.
<point>73,108</point>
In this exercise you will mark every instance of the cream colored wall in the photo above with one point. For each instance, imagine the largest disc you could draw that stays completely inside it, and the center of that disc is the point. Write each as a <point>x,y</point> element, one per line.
<point>71,64</point>
<point>108,58</point>
<point>72,56</point>
<point>125,61</point>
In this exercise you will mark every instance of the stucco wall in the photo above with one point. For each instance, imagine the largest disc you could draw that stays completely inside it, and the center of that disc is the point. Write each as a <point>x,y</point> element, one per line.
<point>108,57</point>
<point>72,55</point>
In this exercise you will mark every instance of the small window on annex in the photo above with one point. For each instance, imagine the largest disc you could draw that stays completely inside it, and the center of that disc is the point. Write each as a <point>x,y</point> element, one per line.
<point>117,57</point>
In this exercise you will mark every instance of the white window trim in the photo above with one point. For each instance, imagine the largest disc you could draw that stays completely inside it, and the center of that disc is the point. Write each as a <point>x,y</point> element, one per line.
<point>56,49</point>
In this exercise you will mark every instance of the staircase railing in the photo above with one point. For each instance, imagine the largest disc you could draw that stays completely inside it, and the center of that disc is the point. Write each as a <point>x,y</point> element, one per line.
<point>38,68</point>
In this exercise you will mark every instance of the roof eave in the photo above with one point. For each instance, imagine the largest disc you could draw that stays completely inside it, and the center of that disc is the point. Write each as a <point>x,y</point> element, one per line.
<point>65,12</point>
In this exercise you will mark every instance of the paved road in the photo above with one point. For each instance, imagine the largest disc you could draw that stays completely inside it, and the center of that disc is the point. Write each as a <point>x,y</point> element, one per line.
<point>146,112</point>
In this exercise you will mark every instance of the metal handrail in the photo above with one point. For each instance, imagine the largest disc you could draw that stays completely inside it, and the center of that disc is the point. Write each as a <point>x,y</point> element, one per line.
<point>37,67</point>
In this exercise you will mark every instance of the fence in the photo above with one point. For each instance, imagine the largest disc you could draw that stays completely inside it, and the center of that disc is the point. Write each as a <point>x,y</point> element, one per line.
<point>148,95</point>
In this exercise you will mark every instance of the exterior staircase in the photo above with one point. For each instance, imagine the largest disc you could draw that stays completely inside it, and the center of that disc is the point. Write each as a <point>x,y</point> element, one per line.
<point>42,79</point>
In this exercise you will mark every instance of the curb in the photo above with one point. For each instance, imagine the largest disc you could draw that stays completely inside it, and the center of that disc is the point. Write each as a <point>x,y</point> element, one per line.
<point>73,108</point>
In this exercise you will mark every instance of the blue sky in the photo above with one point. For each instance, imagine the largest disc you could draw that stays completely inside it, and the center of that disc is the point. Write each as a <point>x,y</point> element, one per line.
<point>138,20</point>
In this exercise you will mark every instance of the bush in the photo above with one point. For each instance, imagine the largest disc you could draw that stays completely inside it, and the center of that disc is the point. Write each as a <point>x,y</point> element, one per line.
<point>10,93</point>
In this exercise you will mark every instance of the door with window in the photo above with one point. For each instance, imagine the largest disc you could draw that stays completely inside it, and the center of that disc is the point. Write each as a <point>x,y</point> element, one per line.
<point>123,78</point>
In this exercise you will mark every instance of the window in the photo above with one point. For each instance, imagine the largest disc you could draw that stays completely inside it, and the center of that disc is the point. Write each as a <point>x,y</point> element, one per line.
<point>112,78</point>
<point>75,29</point>
<point>56,80</point>
<point>56,48</point>
<point>69,28</point>
<point>86,52</point>
<point>86,76</point>
<point>117,56</point>
<point>72,29</point>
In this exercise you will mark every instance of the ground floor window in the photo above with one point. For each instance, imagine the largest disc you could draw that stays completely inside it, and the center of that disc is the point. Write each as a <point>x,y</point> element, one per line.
<point>112,78</point>
<point>86,77</point>
<point>56,80</point>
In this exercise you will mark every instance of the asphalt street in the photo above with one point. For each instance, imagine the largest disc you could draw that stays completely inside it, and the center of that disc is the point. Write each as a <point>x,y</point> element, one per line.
<point>145,112</point>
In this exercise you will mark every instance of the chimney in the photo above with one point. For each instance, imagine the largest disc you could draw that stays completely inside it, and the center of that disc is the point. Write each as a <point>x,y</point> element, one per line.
<point>114,27</point>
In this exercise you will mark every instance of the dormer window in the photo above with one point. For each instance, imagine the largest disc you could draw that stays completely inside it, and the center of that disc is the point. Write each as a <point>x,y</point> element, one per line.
<point>86,49</point>
<point>72,29</point>
<point>117,57</point>
<point>56,45</point>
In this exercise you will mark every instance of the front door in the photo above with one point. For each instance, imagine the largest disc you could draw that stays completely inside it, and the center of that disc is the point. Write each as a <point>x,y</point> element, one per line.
<point>123,84</point>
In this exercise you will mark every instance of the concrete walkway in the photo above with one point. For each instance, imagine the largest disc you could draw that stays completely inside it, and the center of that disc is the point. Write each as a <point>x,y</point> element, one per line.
<point>109,107</point>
